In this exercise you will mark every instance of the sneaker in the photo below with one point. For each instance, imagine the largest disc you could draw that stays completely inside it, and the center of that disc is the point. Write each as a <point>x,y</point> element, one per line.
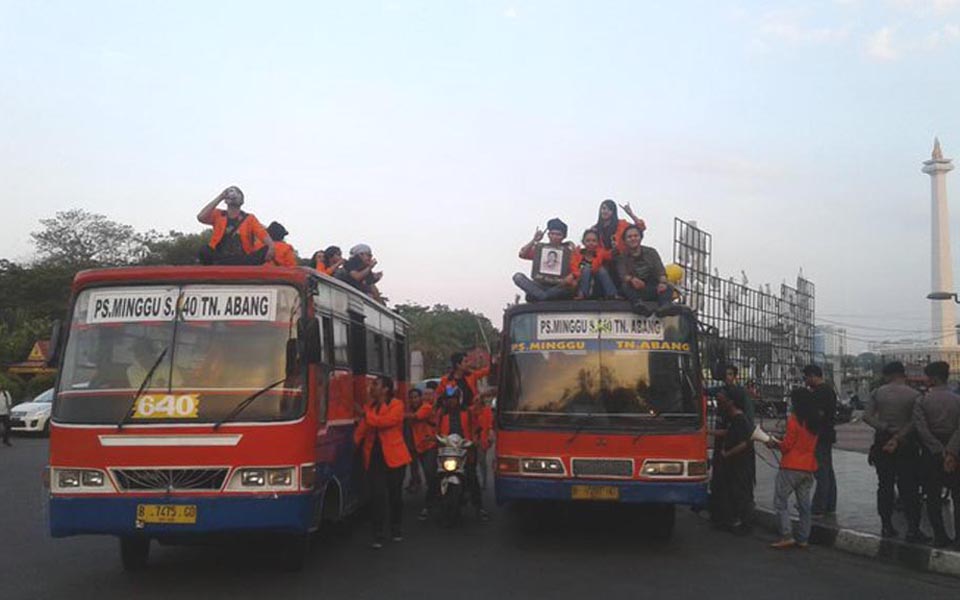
<point>424,515</point>
<point>377,545</point>
<point>784,543</point>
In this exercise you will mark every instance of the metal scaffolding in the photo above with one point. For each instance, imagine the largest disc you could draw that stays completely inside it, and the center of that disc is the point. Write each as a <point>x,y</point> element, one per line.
<point>768,336</point>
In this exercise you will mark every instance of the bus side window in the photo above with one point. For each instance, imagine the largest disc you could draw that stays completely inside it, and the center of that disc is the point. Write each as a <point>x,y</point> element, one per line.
<point>401,359</point>
<point>326,370</point>
<point>375,353</point>
<point>358,360</point>
<point>341,393</point>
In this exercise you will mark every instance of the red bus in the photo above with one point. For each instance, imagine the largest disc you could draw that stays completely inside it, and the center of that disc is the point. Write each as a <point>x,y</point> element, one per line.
<point>597,403</point>
<point>199,401</point>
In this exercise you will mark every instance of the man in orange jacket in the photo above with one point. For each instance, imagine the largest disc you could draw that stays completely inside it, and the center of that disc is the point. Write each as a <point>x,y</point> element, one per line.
<point>238,237</point>
<point>285,255</point>
<point>462,377</point>
<point>454,419</point>
<point>424,432</point>
<point>385,454</point>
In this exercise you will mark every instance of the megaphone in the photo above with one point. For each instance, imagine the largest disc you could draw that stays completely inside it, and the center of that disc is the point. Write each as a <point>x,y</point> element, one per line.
<point>760,435</point>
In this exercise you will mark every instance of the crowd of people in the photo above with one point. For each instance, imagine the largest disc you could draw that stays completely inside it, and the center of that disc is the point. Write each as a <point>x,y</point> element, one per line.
<point>916,454</point>
<point>400,438</point>
<point>611,262</point>
<point>239,239</point>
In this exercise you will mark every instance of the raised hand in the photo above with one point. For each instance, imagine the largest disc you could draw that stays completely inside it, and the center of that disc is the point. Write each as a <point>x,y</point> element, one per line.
<point>538,235</point>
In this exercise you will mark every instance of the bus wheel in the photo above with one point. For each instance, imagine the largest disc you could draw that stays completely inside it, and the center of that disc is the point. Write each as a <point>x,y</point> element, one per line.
<point>134,551</point>
<point>293,553</point>
<point>661,519</point>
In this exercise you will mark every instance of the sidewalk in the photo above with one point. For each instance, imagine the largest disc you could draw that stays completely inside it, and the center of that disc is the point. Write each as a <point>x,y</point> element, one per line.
<point>856,526</point>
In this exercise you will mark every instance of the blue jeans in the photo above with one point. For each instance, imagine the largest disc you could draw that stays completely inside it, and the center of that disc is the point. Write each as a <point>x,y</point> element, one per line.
<point>825,496</point>
<point>603,278</point>
<point>798,483</point>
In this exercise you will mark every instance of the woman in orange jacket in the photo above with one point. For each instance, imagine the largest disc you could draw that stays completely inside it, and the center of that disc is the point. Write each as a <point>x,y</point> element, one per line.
<point>385,454</point>
<point>329,260</point>
<point>797,466</point>
<point>611,227</point>
<point>588,264</point>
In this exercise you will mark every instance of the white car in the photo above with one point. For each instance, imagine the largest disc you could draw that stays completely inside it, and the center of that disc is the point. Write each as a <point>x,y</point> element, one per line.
<point>33,417</point>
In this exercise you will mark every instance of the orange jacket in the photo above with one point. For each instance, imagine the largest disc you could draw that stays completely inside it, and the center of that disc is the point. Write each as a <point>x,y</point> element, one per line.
<point>466,423</point>
<point>600,257</point>
<point>471,378</point>
<point>618,242</point>
<point>798,448</point>
<point>325,269</point>
<point>385,422</point>
<point>423,425</point>
<point>483,423</point>
<point>251,232</point>
<point>284,256</point>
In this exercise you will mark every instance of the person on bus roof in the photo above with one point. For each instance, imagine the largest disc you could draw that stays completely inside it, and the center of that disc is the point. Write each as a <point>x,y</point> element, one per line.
<point>610,227</point>
<point>642,274</point>
<point>462,377</point>
<point>329,260</point>
<point>285,255</point>
<point>385,454</point>
<point>547,287</point>
<point>455,418</point>
<point>238,237</point>
<point>358,271</point>
<point>589,266</point>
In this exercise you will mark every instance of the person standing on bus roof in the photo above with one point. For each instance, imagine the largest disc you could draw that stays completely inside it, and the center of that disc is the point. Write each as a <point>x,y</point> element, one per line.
<point>610,227</point>
<point>643,277</point>
<point>588,264</point>
<point>285,255</point>
<point>238,237</point>
<point>380,435</point>
<point>546,290</point>
<point>464,378</point>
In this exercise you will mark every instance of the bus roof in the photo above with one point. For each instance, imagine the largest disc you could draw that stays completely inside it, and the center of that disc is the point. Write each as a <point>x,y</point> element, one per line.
<point>575,306</point>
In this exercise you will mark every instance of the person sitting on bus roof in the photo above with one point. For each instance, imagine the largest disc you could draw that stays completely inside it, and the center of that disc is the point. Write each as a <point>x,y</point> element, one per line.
<point>642,275</point>
<point>285,255</point>
<point>329,260</point>
<point>238,237</point>
<point>358,271</point>
<point>463,378</point>
<point>611,228</point>
<point>589,265</point>
<point>546,288</point>
<point>455,418</point>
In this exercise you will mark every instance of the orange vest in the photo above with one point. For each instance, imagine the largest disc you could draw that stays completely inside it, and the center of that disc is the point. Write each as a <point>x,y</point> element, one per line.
<point>600,257</point>
<point>386,423</point>
<point>284,256</point>
<point>251,232</point>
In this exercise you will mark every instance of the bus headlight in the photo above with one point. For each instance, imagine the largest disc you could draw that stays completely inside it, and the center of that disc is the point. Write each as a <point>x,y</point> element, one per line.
<point>279,477</point>
<point>263,479</point>
<point>91,478</point>
<point>545,466</point>
<point>68,478</point>
<point>663,468</point>
<point>79,481</point>
<point>450,464</point>
<point>252,478</point>
<point>697,468</point>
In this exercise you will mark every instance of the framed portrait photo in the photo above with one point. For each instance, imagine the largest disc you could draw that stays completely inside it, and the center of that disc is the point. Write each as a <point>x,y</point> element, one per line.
<point>550,263</point>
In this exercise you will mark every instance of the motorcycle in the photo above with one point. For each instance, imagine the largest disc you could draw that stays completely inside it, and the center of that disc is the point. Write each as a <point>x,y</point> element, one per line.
<point>451,469</point>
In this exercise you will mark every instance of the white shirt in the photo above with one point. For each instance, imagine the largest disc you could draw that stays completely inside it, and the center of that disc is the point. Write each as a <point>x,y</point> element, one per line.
<point>5,403</point>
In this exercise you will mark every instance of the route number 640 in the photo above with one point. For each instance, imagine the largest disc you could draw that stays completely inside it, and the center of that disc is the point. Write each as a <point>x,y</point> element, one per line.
<point>168,406</point>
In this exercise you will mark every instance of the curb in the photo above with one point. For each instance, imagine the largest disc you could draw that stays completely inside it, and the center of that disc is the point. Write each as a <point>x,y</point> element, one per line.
<point>914,556</point>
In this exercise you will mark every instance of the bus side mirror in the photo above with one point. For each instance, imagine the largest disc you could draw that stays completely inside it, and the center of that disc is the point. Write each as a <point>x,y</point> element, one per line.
<point>54,354</point>
<point>309,334</point>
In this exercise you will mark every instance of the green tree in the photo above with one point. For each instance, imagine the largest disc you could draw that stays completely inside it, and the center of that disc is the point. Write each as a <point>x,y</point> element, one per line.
<point>174,248</point>
<point>82,239</point>
<point>439,331</point>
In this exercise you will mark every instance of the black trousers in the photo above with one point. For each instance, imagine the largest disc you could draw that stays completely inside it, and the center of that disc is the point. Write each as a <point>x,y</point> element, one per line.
<point>428,460</point>
<point>208,256</point>
<point>900,469</point>
<point>935,479</point>
<point>386,496</point>
<point>5,422</point>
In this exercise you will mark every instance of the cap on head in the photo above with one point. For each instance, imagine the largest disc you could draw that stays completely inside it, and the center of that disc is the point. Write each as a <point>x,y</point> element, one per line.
<point>360,249</point>
<point>557,225</point>
<point>277,231</point>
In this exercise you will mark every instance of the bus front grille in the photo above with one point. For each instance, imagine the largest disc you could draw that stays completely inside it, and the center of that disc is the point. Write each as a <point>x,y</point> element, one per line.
<point>169,479</point>
<point>602,467</point>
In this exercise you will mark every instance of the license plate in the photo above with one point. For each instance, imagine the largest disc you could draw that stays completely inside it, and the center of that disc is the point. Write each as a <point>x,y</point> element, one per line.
<point>178,514</point>
<point>606,493</point>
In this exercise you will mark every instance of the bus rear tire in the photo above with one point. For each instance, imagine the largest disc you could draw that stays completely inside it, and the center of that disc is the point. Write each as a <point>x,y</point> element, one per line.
<point>660,522</point>
<point>134,552</point>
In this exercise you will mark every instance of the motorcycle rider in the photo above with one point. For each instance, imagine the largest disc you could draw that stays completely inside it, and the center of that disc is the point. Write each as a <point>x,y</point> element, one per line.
<point>455,419</point>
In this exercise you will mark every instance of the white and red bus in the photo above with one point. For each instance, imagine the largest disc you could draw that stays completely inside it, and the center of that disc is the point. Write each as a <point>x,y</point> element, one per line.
<point>199,401</point>
<point>597,403</point>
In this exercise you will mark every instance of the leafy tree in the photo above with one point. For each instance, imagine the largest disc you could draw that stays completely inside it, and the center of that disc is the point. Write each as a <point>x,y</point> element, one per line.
<point>174,248</point>
<point>439,331</point>
<point>82,239</point>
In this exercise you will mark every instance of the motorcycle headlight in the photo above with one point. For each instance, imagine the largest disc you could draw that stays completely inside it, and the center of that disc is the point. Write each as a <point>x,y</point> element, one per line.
<point>450,464</point>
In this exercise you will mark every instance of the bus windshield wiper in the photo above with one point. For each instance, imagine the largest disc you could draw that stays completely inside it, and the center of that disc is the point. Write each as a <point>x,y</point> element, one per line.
<point>143,386</point>
<point>239,408</point>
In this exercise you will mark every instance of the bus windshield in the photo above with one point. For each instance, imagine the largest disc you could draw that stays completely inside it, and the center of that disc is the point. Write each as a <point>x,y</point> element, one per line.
<point>195,350</point>
<point>602,371</point>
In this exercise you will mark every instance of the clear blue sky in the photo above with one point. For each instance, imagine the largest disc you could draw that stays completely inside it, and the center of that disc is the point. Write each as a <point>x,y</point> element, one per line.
<point>444,132</point>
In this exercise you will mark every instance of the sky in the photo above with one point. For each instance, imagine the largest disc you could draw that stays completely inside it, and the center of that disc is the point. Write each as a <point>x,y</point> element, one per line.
<point>442,133</point>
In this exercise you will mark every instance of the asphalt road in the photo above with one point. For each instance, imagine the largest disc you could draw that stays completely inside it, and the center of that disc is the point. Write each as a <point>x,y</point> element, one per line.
<point>577,554</point>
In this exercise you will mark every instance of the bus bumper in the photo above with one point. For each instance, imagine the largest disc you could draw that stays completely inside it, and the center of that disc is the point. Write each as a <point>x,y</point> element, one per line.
<point>692,493</point>
<point>289,513</point>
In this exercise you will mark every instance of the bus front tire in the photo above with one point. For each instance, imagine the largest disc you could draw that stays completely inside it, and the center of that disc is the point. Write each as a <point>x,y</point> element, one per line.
<point>134,552</point>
